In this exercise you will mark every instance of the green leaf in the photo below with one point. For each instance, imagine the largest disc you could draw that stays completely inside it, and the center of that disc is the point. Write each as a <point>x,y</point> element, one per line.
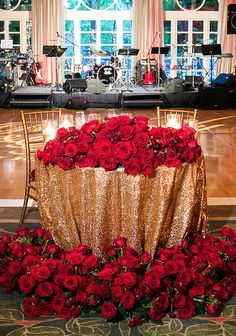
<point>10,315</point>
<point>89,326</point>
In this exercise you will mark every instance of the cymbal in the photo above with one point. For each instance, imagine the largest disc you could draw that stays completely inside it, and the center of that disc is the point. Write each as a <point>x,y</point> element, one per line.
<point>100,52</point>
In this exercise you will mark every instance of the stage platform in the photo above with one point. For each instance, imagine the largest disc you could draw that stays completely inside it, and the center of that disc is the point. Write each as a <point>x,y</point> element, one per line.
<point>135,96</point>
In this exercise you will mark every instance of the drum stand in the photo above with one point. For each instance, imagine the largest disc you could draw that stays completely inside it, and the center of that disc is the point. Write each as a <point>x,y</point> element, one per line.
<point>127,52</point>
<point>28,80</point>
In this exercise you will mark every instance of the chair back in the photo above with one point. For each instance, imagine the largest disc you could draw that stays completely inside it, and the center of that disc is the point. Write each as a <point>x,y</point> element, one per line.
<point>184,115</point>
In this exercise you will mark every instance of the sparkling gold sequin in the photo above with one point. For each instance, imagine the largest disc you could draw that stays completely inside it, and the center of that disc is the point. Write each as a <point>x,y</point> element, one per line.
<point>92,206</point>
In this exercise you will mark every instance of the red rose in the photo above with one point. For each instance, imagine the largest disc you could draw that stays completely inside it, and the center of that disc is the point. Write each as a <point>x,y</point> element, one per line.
<point>126,132</point>
<point>226,231</point>
<point>111,252</point>
<point>172,162</point>
<point>14,267</point>
<point>71,149</point>
<point>103,290</point>
<point>132,166</point>
<point>119,242</point>
<point>123,150</point>
<point>51,264</point>
<point>112,124</point>
<point>103,148</point>
<point>75,258</point>
<point>179,301</point>
<point>108,163</point>
<point>116,291</point>
<point>152,280</point>
<point>45,309</point>
<point>91,262</point>
<point>146,169</point>
<point>125,120</point>
<point>42,273</point>
<point>187,155</point>
<point>31,307</point>
<point>187,311</point>
<point>142,122</point>
<point>22,232</point>
<point>82,146</point>
<point>128,300</point>
<point>146,257</point>
<point>109,310</point>
<point>214,309</point>
<point>81,297</point>
<point>128,279</point>
<point>52,249</point>
<point>136,320</point>
<point>107,274</point>
<point>71,282</point>
<point>44,289</point>
<point>129,261</point>
<point>58,303</point>
<point>26,283</point>
<point>171,267</point>
<point>141,139</point>
<point>63,162</point>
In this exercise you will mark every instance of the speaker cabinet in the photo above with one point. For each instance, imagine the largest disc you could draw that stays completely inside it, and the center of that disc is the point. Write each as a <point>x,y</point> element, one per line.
<point>231,19</point>
<point>213,98</point>
<point>72,85</point>
<point>175,85</point>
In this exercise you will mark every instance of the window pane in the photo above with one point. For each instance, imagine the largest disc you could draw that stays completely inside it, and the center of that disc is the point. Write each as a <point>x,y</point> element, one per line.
<point>94,4</point>
<point>2,26</point>
<point>15,38</point>
<point>198,26</point>
<point>108,38</point>
<point>70,51</point>
<point>213,26</point>
<point>69,25</point>
<point>25,5</point>
<point>167,26</point>
<point>197,38</point>
<point>2,37</point>
<point>127,25</point>
<point>167,38</point>
<point>14,26</point>
<point>213,38</point>
<point>170,5</point>
<point>190,4</point>
<point>127,39</point>
<point>70,4</point>
<point>181,50</point>
<point>87,25</point>
<point>182,26</point>
<point>8,5</point>
<point>108,25</point>
<point>88,39</point>
<point>182,38</point>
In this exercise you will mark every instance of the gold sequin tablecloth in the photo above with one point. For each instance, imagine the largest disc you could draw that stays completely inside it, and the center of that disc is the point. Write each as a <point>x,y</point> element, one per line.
<point>92,206</point>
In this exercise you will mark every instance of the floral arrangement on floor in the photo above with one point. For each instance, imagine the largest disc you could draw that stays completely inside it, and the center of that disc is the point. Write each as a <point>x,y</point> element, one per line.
<point>121,142</point>
<point>196,277</point>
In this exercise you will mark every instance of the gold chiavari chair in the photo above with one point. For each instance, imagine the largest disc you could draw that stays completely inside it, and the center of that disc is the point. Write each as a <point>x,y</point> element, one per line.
<point>33,135</point>
<point>184,115</point>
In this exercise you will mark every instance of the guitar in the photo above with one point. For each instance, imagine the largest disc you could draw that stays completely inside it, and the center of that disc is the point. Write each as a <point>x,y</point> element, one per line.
<point>149,75</point>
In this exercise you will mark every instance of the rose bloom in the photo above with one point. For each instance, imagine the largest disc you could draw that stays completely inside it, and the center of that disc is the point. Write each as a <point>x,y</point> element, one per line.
<point>227,231</point>
<point>22,232</point>
<point>172,162</point>
<point>63,162</point>
<point>108,163</point>
<point>103,290</point>
<point>26,283</point>
<point>214,309</point>
<point>136,320</point>
<point>44,289</point>
<point>75,258</point>
<point>132,166</point>
<point>31,307</point>
<point>186,312</point>
<point>71,282</point>
<point>128,279</point>
<point>141,139</point>
<point>107,274</point>
<point>103,148</point>
<point>58,303</point>
<point>81,297</point>
<point>126,132</point>
<point>171,267</point>
<point>108,310</point>
<point>128,300</point>
<point>42,273</point>
<point>116,291</point>
<point>123,150</point>
<point>91,262</point>
<point>45,309</point>
<point>119,242</point>
<point>152,280</point>
<point>14,267</point>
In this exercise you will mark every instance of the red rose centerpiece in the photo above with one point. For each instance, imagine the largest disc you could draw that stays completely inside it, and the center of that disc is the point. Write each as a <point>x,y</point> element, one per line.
<point>121,142</point>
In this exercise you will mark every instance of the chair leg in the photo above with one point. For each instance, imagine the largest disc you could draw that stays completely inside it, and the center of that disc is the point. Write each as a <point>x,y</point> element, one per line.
<point>24,208</point>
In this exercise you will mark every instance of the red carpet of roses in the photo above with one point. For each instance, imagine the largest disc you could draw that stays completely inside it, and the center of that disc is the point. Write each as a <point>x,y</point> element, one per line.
<point>181,281</point>
<point>121,142</point>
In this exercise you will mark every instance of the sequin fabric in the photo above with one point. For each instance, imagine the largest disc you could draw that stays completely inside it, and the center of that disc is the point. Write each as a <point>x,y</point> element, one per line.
<point>92,206</point>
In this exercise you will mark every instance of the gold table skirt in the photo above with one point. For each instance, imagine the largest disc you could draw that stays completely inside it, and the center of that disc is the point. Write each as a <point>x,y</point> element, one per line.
<point>91,206</point>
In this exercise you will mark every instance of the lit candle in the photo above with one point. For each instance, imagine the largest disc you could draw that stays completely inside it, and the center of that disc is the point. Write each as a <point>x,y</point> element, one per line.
<point>49,130</point>
<point>173,122</point>
<point>67,120</point>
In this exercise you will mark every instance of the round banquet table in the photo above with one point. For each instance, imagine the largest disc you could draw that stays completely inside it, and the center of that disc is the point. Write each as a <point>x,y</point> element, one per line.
<point>92,206</point>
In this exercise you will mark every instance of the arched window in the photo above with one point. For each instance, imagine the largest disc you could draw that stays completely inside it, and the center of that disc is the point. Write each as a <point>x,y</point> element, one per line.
<point>188,25</point>
<point>94,31</point>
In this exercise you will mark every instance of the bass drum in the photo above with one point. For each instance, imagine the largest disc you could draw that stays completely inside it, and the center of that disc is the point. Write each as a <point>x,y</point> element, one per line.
<point>107,74</point>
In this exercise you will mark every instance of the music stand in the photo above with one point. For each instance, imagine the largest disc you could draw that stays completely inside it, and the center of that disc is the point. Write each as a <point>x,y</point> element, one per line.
<point>128,52</point>
<point>54,51</point>
<point>159,51</point>
<point>211,49</point>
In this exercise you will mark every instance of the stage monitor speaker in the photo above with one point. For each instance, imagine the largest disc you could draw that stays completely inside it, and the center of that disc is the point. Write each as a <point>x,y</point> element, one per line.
<point>175,85</point>
<point>75,84</point>
<point>231,19</point>
<point>213,98</point>
<point>95,86</point>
